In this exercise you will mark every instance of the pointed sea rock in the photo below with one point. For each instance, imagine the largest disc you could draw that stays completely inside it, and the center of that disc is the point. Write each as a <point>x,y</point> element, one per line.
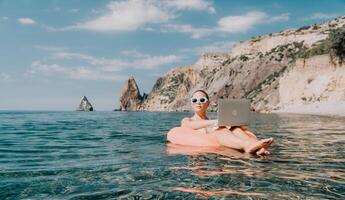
<point>84,105</point>
<point>130,98</point>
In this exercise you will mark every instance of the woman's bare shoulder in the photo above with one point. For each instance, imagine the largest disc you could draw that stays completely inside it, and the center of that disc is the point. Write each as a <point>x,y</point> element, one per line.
<point>186,119</point>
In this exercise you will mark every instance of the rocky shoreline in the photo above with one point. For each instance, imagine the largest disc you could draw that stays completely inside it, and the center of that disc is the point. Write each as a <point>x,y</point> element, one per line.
<point>325,108</point>
<point>276,72</point>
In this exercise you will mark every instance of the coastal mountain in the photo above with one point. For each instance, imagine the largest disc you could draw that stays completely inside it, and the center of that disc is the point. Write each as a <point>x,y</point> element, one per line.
<point>84,105</point>
<point>130,98</point>
<point>276,72</point>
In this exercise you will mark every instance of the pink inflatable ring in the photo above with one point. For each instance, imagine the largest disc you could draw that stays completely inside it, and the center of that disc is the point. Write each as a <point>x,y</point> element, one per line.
<point>191,137</point>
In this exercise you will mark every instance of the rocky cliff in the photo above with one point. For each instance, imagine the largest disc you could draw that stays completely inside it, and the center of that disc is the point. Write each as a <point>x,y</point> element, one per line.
<point>130,98</point>
<point>84,105</point>
<point>273,71</point>
<point>313,80</point>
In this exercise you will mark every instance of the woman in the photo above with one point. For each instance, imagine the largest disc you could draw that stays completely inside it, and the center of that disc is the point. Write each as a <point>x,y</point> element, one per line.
<point>207,132</point>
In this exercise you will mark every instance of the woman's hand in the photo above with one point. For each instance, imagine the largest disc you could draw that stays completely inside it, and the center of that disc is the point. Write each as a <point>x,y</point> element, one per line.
<point>212,126</point>
<point>215,122</point>
<point>197,124</point>
<point>212,123</point>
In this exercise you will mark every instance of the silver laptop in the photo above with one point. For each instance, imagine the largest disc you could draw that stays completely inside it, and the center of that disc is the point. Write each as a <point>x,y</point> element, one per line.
<point>233,112</point>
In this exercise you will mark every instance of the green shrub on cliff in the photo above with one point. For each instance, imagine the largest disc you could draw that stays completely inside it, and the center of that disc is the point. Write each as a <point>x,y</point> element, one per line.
<point>333,45</point>
<point>322,47</point>
<point>243,58</point>
<point>303,28</point>
<point>337,43</point>
<point>316,27</point>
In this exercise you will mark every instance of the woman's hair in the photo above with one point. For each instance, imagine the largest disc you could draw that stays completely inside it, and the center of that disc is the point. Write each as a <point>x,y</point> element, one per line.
<point>202,91</point>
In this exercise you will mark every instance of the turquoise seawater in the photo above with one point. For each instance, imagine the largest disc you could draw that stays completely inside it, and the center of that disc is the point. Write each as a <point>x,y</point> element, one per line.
<point>118,155</point>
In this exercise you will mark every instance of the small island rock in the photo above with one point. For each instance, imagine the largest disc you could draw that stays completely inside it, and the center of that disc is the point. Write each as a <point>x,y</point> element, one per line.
<point>130,98</point>
<point>84,105</point>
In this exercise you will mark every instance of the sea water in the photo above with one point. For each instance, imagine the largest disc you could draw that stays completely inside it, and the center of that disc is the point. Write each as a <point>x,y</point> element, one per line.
<point>125,155</point>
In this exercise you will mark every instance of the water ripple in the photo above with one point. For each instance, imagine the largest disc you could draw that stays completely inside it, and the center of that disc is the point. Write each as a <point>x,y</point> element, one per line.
<point>113,155</point>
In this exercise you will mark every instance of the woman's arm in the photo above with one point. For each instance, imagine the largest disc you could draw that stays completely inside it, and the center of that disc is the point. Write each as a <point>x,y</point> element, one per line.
<point>187,122</point>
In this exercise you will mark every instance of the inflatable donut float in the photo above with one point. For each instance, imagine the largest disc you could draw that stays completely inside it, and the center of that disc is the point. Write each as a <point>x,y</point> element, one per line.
<point>191,137</point>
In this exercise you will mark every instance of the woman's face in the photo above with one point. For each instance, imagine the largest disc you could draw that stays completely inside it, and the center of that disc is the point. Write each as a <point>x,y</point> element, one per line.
<point>199,106</point>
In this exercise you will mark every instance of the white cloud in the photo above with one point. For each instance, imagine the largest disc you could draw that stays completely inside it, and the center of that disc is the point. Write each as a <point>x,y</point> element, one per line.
<point>50,28</point>
<point>200,5</point>
<point>241,23</point>
<point>322,16</point>
<point>135,54</point>
<point>126,16</point>
<point>282,17</point>
<point>95,11</point>
<point>26,21</point>
<point>89,74</point>
<point>102,63</point>
<point>153,62</point>
<point>131,15</point>
<point>73,10</point>
<point>4,76</point>
<point>51,48</point>
<point>228,24</point>
<point>48,68</point>
<point>71,55</point>
<point>4,18</point>
<point>215,47</point>
<point>141,61</point>
<point>73,73</point>
<point>95,68</point>
<point>187,28</point>
<point>146,61</point>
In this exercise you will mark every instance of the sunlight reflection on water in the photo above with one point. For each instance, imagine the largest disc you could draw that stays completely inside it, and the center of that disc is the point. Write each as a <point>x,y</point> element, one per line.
<point>113,155</point>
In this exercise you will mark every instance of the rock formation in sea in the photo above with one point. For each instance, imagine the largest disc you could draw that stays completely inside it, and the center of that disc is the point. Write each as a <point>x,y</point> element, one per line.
<point>292,67</point>
<point>130,97</point>
<point>84,105</point>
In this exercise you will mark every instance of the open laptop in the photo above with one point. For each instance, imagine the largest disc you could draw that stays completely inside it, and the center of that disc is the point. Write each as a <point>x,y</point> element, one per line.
<point>233,112</point>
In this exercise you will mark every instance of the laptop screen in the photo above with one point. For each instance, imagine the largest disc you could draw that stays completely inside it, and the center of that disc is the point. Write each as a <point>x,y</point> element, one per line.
<point>233,112</point>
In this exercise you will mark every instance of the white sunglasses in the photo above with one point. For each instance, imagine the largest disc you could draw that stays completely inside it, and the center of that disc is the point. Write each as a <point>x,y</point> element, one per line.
<point>200,100</point>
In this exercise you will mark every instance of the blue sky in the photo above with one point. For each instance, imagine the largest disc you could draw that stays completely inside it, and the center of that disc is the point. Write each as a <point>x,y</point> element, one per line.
<point>55,51</point>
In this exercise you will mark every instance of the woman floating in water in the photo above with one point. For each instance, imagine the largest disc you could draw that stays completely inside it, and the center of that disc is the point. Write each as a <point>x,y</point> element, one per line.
<point>198,130</point>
